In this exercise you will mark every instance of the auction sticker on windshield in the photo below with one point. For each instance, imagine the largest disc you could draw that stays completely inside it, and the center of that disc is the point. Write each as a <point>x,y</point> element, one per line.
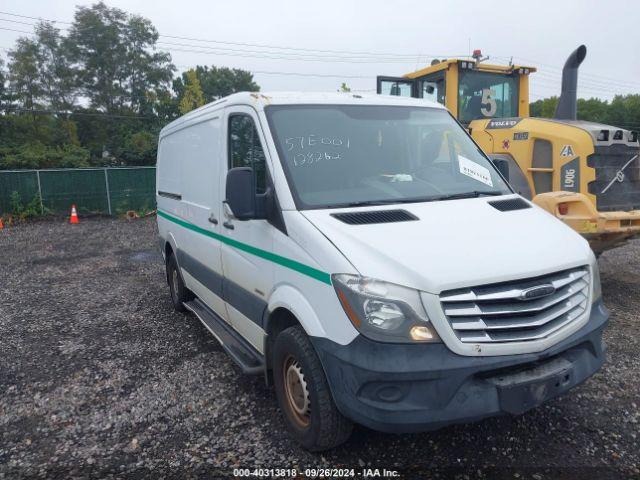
<point>475,171</point>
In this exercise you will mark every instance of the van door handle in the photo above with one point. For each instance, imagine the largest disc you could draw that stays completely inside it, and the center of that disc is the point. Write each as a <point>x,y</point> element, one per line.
<point>228,225</point>
<point>213,219</point>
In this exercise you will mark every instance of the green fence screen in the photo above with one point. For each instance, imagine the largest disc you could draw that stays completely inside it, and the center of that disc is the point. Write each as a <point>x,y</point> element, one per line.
<point>132,189</point>
<point>109,191</point>
<point>24,182</point>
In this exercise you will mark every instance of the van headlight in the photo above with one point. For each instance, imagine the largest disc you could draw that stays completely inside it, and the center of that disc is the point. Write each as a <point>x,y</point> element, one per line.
<point>384,311</point>
<point>597,289</point>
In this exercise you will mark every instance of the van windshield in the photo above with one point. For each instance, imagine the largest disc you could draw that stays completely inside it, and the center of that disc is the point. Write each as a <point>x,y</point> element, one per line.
<point>347,155</point>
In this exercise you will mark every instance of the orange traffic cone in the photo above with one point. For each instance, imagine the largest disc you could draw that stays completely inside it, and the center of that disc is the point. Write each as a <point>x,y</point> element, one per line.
<point>74,215</point>
<point>1,224</point>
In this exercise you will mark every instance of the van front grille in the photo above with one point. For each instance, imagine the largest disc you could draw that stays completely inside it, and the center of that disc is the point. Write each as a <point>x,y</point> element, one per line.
<point>517,311</point>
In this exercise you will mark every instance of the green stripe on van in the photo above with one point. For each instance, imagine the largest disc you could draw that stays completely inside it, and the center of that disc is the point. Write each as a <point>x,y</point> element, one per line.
<point>272,257</point>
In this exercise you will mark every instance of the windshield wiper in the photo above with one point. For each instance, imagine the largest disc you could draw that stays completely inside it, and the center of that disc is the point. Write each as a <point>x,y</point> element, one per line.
<point>364,203</point>
<point>435,198</point>
<point>391,201</point>
<point>472,194</point>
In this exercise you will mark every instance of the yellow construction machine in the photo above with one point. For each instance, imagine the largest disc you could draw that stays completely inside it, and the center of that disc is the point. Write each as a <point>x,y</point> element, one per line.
<point>586,174</point>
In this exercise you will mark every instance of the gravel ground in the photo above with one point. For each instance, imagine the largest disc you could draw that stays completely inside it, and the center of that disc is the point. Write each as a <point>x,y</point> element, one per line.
<point>99,377</point>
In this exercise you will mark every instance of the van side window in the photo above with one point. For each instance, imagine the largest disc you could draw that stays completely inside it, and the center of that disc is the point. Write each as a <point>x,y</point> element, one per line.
<point>245,149</point>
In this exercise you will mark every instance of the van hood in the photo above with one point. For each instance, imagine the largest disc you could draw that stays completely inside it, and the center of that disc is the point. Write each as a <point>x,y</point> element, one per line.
<point>455,243</point>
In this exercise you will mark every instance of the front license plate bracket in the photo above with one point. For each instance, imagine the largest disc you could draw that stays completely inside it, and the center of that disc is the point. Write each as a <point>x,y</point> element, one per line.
<point>523,390</point>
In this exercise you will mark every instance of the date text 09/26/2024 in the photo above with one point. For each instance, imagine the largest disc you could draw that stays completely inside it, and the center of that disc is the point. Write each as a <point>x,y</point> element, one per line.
<point>315,473</point>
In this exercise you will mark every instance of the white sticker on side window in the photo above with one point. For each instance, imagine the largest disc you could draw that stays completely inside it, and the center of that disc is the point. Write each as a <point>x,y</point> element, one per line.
<point>475,171</point>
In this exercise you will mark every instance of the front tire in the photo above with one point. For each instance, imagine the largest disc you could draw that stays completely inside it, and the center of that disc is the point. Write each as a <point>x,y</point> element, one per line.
<point>303,393</point>
<point>179,293</point>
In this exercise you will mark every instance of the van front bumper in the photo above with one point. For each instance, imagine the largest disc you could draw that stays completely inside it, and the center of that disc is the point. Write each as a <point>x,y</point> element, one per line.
<point>417,387</point>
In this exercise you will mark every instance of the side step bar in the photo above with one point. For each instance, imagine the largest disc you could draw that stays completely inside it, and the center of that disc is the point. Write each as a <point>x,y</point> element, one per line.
<point>242,352</point>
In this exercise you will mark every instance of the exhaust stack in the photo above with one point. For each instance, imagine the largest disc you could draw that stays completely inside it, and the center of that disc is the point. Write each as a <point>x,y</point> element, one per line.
<point>567,108</point>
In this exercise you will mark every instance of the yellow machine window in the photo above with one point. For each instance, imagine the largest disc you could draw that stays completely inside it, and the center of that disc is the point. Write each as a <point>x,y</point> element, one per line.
<point>433,89</point>
<point>397,88</point>
<point>486,95</point>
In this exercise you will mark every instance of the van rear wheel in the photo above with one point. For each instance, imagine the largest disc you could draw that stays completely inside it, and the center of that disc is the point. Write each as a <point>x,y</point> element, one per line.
<point>179,293</point>
<point>303,393</point>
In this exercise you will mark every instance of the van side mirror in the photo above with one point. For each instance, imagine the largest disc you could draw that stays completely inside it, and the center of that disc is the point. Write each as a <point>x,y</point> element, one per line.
<point>502,166</point>
<point>241,194</point>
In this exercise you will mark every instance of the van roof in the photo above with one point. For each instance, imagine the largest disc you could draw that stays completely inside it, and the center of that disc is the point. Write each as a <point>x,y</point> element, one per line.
<point>260,100</point>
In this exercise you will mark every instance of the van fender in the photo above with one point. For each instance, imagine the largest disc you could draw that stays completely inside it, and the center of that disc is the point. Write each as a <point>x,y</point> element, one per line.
<point>171,240</point>
<point>290,298</point>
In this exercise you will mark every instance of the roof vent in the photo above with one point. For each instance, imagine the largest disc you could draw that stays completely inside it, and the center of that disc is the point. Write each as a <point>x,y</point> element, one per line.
<point>509,204</point>
<point>380,216</point>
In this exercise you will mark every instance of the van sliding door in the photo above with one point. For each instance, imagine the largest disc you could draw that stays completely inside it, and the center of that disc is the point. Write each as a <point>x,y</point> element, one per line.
<point>198,149</point>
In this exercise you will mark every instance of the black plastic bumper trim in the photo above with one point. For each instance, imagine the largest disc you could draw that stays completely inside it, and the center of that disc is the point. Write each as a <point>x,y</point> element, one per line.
<point>418,387</point>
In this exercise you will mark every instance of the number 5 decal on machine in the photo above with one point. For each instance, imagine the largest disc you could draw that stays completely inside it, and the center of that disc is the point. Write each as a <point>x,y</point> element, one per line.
<point>489,105</point>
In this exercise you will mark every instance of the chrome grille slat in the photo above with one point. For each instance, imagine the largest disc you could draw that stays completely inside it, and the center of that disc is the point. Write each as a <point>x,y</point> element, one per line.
<point>522,322</point>
<point>503,313</point>
<point>571,278</point>
<point>545,332</point>
<point>510,291</point>
<point>519,307</point>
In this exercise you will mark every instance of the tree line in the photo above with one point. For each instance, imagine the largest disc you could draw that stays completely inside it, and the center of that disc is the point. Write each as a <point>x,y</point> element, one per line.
<point>98,92</point>
<point>623,111</point>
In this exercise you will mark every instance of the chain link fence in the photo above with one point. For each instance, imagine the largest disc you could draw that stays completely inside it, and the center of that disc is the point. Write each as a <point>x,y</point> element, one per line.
<point>109,191</point>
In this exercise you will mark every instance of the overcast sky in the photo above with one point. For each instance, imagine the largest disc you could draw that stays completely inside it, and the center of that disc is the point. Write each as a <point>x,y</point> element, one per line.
<point>355,41</point>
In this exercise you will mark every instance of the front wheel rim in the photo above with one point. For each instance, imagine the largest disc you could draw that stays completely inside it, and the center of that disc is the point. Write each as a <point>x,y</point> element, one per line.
<point>296,392</point>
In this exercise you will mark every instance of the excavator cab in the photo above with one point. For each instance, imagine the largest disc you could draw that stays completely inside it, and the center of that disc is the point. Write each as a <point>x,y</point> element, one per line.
<point>471,90</point>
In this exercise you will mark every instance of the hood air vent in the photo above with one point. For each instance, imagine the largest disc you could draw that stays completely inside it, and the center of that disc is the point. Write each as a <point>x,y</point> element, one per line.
<point>380,216</point>
<point>510,204</point>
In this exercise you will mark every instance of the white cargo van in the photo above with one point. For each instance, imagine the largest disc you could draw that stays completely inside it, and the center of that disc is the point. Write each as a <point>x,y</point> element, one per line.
<point>367,256</point>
